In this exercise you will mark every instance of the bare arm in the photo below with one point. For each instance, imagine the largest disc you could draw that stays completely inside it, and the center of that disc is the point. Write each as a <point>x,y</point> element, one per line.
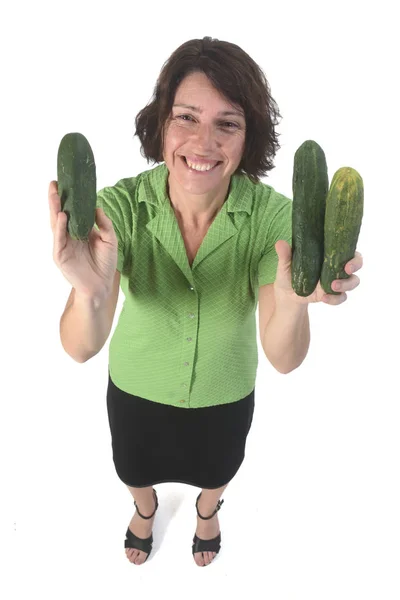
<point>287,338</point>
<point>284,331</point>
<point>86,323</point>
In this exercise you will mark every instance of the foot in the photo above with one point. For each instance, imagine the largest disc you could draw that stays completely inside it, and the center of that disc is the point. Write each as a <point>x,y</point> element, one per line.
<point>206,530</point>
<point>142,528</point>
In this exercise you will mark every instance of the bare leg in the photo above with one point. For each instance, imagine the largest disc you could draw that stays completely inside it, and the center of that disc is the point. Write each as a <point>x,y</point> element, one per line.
<point>142,528</point>
<point>207,530</point>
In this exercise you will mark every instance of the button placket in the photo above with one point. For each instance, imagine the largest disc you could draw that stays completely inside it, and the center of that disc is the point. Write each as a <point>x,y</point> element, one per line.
<point>184,386</point>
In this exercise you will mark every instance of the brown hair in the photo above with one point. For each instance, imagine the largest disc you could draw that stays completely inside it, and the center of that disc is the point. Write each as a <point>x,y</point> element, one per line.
<point>238,78</point>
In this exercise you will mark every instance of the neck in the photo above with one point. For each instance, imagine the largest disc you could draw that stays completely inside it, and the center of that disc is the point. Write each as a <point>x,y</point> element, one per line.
<point>196,212</point>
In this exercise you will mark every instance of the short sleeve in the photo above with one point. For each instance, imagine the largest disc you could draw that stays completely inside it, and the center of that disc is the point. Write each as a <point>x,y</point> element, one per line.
<point>280,229</point>
<point>109,199</point>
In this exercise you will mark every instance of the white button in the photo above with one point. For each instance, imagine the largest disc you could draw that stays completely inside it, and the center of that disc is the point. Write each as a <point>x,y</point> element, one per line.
<point>191,288</point>
<point>189,339</point>
<point>186,364</point>
<point>191,315</point>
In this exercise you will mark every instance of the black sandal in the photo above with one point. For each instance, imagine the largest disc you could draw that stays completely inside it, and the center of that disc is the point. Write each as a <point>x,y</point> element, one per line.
<point>213,545</point>
<point>132,541</point>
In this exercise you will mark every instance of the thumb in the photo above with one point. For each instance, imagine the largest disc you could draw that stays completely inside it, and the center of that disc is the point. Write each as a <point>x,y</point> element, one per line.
<point>103,223</point>
<point>102,220</point>
<point>284,252</point>
<point>100,215</point>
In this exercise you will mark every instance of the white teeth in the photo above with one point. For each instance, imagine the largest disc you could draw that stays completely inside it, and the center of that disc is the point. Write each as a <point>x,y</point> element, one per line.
<point>197,167</point>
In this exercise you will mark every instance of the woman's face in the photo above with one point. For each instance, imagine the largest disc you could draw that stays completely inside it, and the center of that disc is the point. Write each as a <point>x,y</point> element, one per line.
<point>205,135</point>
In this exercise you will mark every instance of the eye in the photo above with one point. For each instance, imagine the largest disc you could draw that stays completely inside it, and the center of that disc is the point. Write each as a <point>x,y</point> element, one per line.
<point>223,122</point>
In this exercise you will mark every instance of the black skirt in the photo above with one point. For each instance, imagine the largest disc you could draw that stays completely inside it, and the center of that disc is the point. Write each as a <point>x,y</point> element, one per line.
<point>157,443</point>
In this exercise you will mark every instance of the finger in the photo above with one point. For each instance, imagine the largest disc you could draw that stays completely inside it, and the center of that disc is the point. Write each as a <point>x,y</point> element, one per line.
<point>334,299</point>
<point>352,267</point>
<point>346,285</point>
<point>60,235</point>
<point>354,264</point>
<point>54,203</point>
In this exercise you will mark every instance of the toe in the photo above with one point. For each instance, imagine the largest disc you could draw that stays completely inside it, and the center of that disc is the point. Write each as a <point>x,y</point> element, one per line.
<point>198,557</point>
<point>133,555</point>
<point>136,556</point>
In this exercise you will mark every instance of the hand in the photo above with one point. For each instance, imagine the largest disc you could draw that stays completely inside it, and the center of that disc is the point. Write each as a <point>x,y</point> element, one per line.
<point>89,266</point>
<point>283,282</point>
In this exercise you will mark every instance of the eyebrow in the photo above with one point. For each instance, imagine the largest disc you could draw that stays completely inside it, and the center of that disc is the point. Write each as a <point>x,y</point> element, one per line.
<point>223,113</point>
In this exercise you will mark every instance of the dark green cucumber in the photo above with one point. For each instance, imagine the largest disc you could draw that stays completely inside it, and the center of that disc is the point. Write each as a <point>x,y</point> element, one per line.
<point>343,217</point>
<point>76,179</point>
<point>310,188</point>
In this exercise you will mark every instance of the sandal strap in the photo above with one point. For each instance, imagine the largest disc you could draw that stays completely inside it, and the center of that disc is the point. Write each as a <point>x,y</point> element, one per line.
<point>152,515</point>
<point>132,541</point>
<point>219,504</point>
<point>200,545</point>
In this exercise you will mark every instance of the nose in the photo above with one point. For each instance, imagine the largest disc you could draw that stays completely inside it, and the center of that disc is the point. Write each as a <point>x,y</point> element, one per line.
<point>205,136</point>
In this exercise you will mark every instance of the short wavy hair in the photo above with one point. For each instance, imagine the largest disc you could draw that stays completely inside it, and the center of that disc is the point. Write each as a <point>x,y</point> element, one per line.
<point>238,78</point>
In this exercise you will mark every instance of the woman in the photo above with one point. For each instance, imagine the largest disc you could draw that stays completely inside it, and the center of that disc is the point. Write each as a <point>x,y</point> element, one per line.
<point>195,244</point>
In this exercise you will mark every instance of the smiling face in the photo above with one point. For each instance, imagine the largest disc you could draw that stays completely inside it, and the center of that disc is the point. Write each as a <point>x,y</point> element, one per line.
<point>206,135</point>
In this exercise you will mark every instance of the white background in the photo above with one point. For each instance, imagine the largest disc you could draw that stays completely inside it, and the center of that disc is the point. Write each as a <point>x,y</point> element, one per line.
<point>314,510</point>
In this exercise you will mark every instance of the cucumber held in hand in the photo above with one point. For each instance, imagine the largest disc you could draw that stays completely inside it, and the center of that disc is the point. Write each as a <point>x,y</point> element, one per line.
<point>76,179</point>
<point>343,216</point>
<point>310,189</point>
